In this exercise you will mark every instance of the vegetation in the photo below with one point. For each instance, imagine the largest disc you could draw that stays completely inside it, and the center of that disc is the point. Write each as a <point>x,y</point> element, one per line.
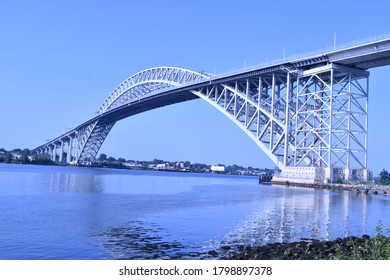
<point>375,248</point>
<point>15,156</point>
<point>384,177</point>
<point>25,157</point>
<point>42,159</point>
<point>339,181</point>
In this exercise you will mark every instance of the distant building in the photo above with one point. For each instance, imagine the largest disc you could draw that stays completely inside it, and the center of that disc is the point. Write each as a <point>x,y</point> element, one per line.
<point>300,174</point>
<point>218,168</point>
<point>162,166</point>
<point>132,164</point>
<point>16,155</point>
<point>318,175</point>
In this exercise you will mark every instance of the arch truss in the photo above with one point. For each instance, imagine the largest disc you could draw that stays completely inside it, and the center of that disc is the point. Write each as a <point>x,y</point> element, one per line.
<point>310,117</point>
<point>301,118</point>
<point>82,144</point>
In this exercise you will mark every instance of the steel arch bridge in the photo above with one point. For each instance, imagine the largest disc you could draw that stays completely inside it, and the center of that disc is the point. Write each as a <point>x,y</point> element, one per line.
<point>308,112</point>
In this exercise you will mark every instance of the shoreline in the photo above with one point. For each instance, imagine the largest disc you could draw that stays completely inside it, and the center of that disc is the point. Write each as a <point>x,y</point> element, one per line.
<point>359,188</point>
<point>348,248</point>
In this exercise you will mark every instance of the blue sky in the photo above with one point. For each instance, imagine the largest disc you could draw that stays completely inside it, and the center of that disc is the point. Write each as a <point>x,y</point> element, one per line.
<point>59,60</point>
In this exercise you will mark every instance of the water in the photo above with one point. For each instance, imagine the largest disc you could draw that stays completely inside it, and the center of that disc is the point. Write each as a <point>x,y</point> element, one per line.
<point>51,212</point>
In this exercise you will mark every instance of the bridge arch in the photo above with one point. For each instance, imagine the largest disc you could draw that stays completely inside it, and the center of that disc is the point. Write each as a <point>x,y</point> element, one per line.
<point>287,112</point>
<point>149,81</point>
<point>243,102</point>
<point>145,84</point>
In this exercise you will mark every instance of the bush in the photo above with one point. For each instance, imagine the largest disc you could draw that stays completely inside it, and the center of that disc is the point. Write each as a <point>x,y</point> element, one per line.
<point>375,248</point>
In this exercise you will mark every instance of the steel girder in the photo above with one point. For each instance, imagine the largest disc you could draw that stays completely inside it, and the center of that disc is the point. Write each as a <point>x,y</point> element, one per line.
<point>90,139</point>
<point>261,106</point>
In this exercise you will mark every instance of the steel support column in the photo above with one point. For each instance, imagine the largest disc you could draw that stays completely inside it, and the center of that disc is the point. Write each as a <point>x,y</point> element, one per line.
<point>61,151</point>
<point>331,120</point>
<point>69,154</point>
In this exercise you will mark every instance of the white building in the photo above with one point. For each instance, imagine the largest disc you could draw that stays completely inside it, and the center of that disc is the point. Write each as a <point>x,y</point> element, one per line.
<point>298,174</point>
<point>162,166</point>
<point>218,168</point>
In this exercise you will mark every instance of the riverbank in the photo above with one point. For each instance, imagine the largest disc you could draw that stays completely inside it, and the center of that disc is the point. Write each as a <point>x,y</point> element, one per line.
<point>360,188</point>
<point>348,248</point>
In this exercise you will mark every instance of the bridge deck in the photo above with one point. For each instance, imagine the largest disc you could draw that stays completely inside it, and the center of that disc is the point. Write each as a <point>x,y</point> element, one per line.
<point>366,56</point>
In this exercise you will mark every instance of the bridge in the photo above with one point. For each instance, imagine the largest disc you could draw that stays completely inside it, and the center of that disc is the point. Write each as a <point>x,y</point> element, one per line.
<point>309,115</point>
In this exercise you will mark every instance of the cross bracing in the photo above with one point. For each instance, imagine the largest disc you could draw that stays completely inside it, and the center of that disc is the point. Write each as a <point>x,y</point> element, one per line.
<point>331,117</point>
<point>259,106</point>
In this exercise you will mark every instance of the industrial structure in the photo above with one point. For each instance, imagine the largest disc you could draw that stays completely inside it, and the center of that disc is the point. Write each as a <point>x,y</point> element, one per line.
<point>309,115</point>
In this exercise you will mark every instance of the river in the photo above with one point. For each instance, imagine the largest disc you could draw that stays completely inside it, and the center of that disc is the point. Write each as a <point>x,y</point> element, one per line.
<point>53,212</point>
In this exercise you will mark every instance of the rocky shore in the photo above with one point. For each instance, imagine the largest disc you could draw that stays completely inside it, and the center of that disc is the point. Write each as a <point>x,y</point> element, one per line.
<point>340,248</point>
<point>361,188</point>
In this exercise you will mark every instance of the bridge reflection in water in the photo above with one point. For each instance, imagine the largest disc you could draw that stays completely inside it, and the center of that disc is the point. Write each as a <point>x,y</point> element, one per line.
<point>319,215</point>
<point>87,213</point>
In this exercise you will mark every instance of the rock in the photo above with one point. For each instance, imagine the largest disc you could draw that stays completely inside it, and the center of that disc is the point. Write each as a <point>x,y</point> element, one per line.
<point>309,248</point>
<point>350,243</point>
<point>287,252</point>
<point>213,253</point>
<point>302,250</point>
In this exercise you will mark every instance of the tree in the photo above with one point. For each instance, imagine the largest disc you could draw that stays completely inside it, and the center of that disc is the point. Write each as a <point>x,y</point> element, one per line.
<point>121,160</point>
<point>103,157</point>
<point>384,177</point>
<point>2,154</point>
<point>24,156</point>
<point>8,157</point>
<point>158,161</point>
<point>42,159</point>
<point>111,159</point>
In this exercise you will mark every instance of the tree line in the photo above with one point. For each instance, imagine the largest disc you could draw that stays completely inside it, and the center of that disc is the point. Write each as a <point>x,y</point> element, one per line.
<point>23,156</point>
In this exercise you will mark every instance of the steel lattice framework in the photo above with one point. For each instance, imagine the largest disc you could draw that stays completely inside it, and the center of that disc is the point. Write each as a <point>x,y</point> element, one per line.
<point>309,112</point>
<point>332,118</point>
<point>300,118</point>
<point>258,105</point>
<point>139,86</point>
